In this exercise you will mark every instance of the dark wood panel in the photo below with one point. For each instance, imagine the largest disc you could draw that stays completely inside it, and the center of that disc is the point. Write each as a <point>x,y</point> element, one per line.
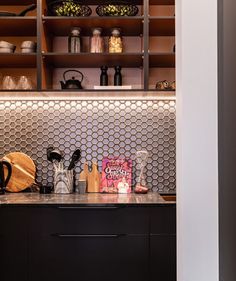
<point>18,26</point>
<point>17,2</point>
<point>162,26</point>
<point>162,60</point>
<point>227,138</point>
<point>93,60</point>
<point>61,26</point>
<point>162,2</point>
<point>18,60</point>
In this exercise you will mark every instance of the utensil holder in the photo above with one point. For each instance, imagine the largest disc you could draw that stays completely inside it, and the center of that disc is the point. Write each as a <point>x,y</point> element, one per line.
<point>63,181</point>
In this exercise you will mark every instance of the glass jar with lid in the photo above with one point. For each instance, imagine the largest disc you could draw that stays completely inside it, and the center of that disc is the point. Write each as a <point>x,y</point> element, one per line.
<point>74,40</point>
<point>96,41</point>
<point>115,41</point>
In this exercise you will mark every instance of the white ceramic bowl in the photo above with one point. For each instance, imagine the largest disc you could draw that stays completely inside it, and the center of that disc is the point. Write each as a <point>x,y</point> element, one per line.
<point>5,44</point>
<point>27,50</point>
<point>6,50</point>
<point>28,45</point>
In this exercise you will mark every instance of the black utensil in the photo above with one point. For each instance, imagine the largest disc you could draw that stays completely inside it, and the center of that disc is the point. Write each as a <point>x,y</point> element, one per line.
<point>54,155</point>
<point>74,159</point>
<point>21,14</point>
<point>49,150</point>
<point>3,181</point>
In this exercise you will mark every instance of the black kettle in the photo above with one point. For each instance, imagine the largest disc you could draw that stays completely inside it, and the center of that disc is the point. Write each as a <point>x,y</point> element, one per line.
<point>72,84</point>
<point>3,179</point>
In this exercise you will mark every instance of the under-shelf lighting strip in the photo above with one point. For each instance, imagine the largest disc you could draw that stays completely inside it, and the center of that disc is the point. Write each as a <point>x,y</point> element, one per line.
<point>75,97</point>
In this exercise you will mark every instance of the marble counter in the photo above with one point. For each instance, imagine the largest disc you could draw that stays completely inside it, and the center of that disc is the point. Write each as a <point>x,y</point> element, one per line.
<point>82,199</point>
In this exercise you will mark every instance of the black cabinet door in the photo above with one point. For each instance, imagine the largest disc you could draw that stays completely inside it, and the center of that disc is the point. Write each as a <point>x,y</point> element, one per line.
<point>83,257</point>
<point>162,257</point>
<point>14,246</point>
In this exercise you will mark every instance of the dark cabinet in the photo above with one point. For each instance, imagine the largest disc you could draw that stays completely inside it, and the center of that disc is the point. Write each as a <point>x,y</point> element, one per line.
<point>89,243</point>
<point>14,244</point>
<point>162,257</point>
<point>129,243</point>
<point>163,243</point>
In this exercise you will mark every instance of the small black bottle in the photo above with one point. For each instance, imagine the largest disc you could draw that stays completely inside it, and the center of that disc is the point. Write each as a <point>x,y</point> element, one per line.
<point>117,76</point>
<point>104,76</point>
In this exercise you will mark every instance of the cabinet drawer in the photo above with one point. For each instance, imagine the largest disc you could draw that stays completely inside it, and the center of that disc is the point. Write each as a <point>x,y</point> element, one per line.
<point>88,259</point>
<point>90,220</point>
<point>163,220</point>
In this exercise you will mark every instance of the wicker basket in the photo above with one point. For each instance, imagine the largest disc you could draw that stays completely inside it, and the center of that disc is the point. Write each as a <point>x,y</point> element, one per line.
<point>117,9</point>
<point>68,8</point>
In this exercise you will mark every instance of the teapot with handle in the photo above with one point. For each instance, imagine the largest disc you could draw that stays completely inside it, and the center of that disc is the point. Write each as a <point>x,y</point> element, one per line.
<point>72,84</point>
<point>4,166</point>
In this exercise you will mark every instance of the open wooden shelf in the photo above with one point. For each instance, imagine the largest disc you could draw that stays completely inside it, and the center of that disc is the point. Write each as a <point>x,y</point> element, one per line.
<point>93,60</point>
<point>99,2</point>
<point>162,60</point>
<point>162,26</point>
<point>18,60</point>
<point>18,26</point>
<point>61,26</point>
<point>141,68</point>
<point>87,94</point>
<point>161,2</point>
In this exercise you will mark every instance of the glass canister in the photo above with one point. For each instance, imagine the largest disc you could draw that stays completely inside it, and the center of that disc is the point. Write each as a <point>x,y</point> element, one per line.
<point>96,41</point>
<point>74,40</point>
<point>115,41</point>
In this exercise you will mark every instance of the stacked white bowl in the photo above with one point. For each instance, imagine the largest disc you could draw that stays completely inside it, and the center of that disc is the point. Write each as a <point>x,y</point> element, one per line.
<point>6,47</point>
<point>28,47</point>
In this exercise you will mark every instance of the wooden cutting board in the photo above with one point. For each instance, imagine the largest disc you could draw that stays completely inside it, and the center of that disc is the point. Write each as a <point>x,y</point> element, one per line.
<point>23,171</point>
<point>92,178</point>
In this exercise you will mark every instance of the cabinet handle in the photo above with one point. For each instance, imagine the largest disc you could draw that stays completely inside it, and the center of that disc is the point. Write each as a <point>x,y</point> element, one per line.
<point>87,235</point>
<point>90,208</point>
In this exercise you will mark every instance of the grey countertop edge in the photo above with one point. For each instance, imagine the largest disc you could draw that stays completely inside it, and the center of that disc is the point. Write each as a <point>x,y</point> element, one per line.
<point>91,199</point>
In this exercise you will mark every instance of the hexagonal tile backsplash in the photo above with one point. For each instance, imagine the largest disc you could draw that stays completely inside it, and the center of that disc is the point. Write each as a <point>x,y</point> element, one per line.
<point>99,127</point>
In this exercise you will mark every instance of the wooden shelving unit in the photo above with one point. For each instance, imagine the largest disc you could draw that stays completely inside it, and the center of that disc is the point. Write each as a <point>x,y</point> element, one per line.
<point>165,60</point>
<point>18,26</point>
<point>162,26</point>
<point>162,2</point>
<point>142,67</point>
<point>18,60</point>
<point>17,2</point>
<point>93,60</point>
<point>60,26</point>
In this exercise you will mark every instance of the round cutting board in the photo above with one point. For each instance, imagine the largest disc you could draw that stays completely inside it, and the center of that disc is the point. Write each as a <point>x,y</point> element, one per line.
<point>23,171</point>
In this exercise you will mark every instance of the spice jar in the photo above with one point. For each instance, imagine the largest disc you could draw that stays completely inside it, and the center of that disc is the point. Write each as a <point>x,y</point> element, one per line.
<point>115,41</point>
<point>96,41</point>
<point>74,40</point>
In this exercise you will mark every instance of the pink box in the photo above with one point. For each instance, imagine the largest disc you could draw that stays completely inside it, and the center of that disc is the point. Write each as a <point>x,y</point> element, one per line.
<point>116,175</point>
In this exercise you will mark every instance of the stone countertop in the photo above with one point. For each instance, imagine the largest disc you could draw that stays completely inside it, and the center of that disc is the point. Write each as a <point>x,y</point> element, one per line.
<point>82,199</point>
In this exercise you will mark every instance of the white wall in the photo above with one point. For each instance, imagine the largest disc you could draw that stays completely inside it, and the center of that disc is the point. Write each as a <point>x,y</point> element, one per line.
<point>197,175</point>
